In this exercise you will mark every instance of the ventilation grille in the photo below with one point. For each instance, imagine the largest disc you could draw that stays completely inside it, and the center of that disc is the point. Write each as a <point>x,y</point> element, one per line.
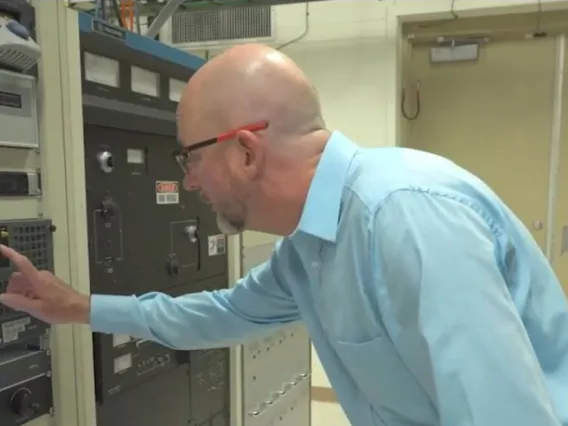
<point>16,58</point>
<point>33,240</point>
<point>222,24</point>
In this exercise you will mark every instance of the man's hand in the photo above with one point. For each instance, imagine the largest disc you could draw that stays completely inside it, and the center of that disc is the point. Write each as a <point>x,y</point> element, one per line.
<point>41,294</point>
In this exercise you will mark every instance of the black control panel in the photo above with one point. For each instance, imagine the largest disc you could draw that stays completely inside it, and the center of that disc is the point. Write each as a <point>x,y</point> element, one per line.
<point>132,362</point>
<point>146,234</point>
<point>26,401</point>
<point>25,362</point>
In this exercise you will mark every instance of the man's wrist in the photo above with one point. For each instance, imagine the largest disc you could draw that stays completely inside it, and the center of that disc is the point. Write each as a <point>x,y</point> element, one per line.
<point>81,310</point>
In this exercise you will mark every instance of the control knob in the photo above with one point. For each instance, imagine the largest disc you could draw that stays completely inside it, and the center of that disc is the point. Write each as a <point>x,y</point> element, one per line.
<point>106,161</point>
<point>22,403</point>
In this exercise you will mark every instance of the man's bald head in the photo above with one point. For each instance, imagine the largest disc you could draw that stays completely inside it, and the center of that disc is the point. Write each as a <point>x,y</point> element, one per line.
<point>246,84</point>
<point>257,177</point>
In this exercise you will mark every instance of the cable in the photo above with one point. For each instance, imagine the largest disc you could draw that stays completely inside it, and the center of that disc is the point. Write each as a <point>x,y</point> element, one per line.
<point>538,32</point>
<point>117,12</point>
<point>538,15</point>
<point>416,114</point>
<point>306,29</point>
<point>98,9</point>
<point>137,17</point>
<point>446,21</point>
<point>403,101</point>
<point>123,12</point>
<point>453,10</point>
<point>161,18</point>
<point>127,13</point>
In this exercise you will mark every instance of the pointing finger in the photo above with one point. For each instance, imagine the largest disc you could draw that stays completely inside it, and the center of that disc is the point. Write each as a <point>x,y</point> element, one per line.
<point>22,263</point>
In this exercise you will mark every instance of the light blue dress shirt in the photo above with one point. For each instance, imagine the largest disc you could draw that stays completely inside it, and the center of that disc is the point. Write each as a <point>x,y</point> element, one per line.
<point>427,300</point>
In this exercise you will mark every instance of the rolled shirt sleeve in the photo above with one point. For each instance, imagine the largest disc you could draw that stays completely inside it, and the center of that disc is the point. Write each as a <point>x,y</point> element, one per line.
<point>259,301</point>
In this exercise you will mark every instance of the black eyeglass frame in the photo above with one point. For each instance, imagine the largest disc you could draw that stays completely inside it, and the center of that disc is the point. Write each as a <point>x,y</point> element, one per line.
<point>181,155</point>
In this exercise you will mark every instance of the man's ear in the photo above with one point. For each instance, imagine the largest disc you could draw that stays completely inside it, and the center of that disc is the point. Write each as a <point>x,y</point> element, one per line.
<point>253,153</point>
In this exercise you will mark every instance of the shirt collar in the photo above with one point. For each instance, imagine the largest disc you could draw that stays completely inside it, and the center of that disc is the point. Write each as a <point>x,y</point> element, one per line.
<point>320,216</point>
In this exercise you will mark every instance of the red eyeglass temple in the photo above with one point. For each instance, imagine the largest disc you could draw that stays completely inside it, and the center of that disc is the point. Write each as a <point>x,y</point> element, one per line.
<point>251,128</point>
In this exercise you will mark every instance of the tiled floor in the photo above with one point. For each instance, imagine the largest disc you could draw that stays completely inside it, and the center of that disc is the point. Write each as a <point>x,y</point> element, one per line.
<point>328,414</point>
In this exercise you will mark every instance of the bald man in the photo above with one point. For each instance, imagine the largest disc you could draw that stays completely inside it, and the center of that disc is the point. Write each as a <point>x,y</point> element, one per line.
<point>427,300</point>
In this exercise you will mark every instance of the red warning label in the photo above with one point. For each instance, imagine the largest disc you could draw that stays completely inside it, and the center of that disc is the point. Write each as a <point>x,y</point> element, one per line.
<point>167,192</point>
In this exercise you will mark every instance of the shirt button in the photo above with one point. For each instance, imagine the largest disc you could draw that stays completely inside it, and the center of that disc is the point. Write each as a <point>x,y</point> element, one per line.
<point>315,265</point>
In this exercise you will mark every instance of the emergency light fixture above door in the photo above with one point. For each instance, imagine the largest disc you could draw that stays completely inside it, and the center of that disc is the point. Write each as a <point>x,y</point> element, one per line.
<point>454,53</point>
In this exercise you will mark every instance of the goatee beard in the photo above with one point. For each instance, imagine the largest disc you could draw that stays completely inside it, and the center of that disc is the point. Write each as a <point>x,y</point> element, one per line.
<point>226,227</point>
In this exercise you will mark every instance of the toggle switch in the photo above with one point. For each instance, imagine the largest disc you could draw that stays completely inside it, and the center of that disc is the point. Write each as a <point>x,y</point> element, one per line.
<point>172,267</point>
<point>191,232</point>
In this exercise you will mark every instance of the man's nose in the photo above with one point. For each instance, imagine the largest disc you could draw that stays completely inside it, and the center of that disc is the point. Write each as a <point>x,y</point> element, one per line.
<point>190,182</point>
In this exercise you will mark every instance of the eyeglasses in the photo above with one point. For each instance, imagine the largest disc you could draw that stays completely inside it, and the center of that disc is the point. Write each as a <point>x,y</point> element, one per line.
<point>182,155</point>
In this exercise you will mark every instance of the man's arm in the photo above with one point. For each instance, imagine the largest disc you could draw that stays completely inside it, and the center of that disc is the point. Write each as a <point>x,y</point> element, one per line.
<point>203,320</point>
<point>452,317</point>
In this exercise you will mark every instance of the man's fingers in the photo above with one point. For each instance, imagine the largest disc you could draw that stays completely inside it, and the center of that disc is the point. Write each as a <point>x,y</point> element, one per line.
<point>17,277</point>
<point>22,263</point>
<point>19,302</point>
<point>18,285</point>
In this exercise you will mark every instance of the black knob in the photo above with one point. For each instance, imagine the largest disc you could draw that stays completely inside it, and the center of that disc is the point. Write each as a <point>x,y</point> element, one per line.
<point>22,403</point>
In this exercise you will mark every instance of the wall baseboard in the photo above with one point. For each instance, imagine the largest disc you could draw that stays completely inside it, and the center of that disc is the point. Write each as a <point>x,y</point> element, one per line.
<point>323,394</point>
